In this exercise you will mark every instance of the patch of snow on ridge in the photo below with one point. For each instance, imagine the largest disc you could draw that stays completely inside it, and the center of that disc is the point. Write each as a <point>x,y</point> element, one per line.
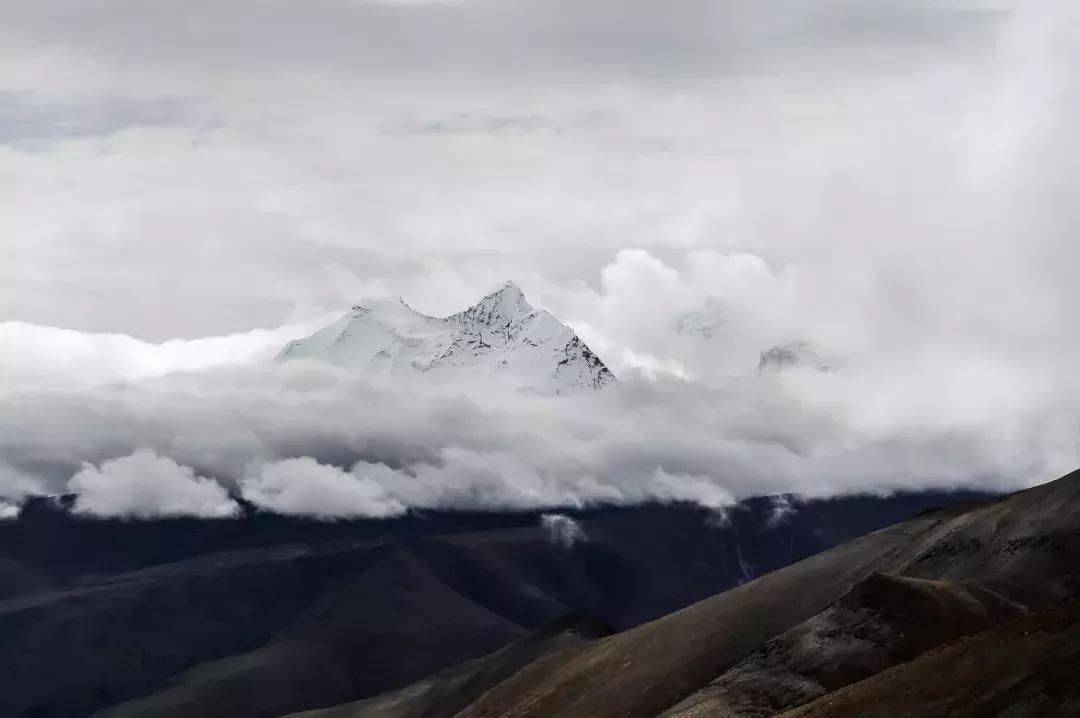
<point>501,337</point>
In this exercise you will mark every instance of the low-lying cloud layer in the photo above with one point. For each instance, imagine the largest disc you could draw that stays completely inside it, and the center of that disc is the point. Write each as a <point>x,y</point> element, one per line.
<point>304,487</point>
<point>305,439</point>
<point>144,485</point>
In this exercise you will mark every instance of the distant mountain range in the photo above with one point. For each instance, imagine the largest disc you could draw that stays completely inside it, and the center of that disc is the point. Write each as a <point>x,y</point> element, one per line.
<point>501,338</point>
<point>263,614</point>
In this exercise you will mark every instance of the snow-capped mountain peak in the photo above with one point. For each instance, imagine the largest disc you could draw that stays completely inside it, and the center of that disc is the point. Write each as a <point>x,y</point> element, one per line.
<point>500,337</point>
<point>504,305</point>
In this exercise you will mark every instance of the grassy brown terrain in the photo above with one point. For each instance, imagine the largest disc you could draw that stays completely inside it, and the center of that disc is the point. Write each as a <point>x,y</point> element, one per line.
<point>883,621</point>
<point>1025,668</point>
<point>1020,551</point>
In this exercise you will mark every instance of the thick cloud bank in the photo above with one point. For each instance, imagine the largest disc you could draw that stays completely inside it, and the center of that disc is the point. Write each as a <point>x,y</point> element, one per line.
<point>147,486</point>
<point>304,487</point>
<point>308,439</point>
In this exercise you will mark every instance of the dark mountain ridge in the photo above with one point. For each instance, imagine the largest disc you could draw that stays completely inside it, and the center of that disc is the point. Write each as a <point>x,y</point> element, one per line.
<point>264,614</point>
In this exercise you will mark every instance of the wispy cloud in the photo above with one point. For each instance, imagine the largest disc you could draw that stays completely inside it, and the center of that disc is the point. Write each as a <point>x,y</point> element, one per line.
<point>33,123</point>
<point>563,530</point>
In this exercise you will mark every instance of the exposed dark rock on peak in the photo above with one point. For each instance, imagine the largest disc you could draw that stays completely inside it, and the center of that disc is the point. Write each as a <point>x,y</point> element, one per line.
<point>789,356</point>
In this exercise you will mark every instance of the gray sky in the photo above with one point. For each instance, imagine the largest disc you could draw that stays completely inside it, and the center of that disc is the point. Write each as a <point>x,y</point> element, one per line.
<point>893,182</point>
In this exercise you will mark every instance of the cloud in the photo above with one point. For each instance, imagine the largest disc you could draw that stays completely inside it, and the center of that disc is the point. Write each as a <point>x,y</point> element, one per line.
<point>464,123</point>
<point>783,507</point>
<point>31,123</point>
<point>8,511</point>
<point>54,357</point>
<point>304,487</point>
<point>16,484</point>
<point>301,438</point>
<point>538,39</point>
<point>144,485</point>
<point>696,125</point>
<point>688,187</point>
<point>719,518</point>
<point>562,530</point>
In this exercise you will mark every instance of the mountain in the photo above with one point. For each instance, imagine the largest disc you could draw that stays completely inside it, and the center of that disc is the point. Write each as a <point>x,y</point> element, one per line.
<point>795,354</point>
<point>501,337</point>
<point>706,322</point>
<point>880,622</point>
<point>1025,667</point>
<point>263,614</point>
<point>969,610</point>
<point>448,692</point>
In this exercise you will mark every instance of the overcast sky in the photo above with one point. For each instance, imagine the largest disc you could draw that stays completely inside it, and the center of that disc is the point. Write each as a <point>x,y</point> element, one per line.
<point>892,181</point>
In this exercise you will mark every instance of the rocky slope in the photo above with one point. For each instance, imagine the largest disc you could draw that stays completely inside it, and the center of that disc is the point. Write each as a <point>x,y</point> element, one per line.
<point>882,621</point>
<point>1023,668</point>
<point>966,567</point>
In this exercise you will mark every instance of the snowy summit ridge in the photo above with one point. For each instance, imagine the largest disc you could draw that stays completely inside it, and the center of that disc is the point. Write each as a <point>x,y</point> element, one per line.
<point>502,337</point>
